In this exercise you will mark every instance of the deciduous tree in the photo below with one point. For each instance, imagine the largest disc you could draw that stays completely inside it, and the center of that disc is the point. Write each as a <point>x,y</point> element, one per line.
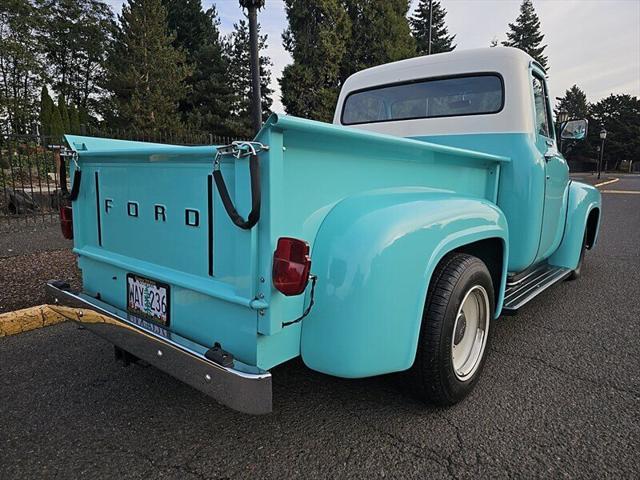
<point>75,37</point>
<point>21,69</point>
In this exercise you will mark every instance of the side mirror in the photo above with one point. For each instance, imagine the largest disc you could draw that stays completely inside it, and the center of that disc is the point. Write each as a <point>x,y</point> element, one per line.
<point>574,130</point>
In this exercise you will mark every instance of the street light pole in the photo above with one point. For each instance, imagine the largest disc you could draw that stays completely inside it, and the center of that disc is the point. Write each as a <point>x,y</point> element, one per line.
<point>252,7</point>
<point>430,23</point>
<point>603,136</point>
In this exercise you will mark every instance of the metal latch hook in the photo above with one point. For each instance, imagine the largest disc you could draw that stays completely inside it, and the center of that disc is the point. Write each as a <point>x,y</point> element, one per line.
<point>238,149</point>
<point>74,157</point>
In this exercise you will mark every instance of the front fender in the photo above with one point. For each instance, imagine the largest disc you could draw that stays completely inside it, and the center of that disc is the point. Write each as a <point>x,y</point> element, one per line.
<point>583,199</point>
<point>374,255</point>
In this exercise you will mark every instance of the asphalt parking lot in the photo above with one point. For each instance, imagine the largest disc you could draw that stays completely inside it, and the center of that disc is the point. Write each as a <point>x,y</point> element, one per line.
<point>559,397</point>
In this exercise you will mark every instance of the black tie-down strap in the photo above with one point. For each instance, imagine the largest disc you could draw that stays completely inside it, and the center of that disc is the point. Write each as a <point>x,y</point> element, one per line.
<point>254,171</point>
<point>75,186</point>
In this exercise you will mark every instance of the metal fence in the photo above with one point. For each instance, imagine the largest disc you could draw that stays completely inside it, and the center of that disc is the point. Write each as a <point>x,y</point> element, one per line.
<point>30,193</point>
<point>172,137</point>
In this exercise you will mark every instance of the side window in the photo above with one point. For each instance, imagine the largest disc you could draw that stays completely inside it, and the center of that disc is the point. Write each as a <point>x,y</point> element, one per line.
<point>542,115</point>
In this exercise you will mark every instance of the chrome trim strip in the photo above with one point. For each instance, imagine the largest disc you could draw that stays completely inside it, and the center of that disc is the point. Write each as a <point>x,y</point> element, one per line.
<point>244,387</point>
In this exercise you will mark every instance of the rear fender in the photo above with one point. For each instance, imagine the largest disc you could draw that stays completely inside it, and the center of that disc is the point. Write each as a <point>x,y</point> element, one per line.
<point>583,213</point>
<point>374,255</point>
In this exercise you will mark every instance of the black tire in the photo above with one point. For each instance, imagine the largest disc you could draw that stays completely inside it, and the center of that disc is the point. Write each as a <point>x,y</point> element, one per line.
<point>432,376</point>
<point>575,274</point>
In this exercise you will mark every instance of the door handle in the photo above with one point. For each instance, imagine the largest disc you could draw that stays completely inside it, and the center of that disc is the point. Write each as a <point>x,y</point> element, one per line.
<point>552,151</point>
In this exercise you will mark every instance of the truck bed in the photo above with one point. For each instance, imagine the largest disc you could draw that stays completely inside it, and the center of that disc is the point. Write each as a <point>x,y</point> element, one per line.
<point>153,211</point>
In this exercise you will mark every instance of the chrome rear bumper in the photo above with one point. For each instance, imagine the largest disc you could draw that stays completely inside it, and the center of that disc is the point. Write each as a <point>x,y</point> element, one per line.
<point>243,387</point>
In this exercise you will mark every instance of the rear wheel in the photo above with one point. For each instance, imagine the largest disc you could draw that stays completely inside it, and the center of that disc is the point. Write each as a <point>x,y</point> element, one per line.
<point>455,330</point>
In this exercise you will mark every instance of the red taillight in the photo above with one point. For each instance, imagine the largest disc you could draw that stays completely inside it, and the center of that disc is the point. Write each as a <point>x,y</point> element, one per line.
<point>66,222</point>
<point>291,266</point>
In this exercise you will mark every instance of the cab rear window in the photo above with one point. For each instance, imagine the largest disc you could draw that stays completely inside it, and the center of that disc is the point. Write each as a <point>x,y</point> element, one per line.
<point>441,97</point>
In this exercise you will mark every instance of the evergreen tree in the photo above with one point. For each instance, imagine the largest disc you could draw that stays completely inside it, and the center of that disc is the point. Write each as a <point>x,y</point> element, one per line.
<point>84,117</point>
<point>74,120</point>
<point>57,127</point>
<point>64,113</point>
<point>190,24</point>
<point>380,34</point>
<point>620,116</point>
<point>197,32</point>
<point>209,106</point>
<point>317,40</point>
<point>46,110</point>
<point>146,72</point>
<point>525,34</point>
<point>238,52</point>
<point>441,41</point>
<point>574,103</point>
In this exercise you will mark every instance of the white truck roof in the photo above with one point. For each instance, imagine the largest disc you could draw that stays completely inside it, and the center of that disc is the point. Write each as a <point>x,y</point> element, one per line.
<point>512,64</point>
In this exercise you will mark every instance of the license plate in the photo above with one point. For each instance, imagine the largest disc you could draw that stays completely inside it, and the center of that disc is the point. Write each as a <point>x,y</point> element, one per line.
<point>148,298</point>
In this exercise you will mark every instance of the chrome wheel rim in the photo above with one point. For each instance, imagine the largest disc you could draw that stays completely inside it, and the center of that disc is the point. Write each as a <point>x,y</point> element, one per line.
<point>470,333</point>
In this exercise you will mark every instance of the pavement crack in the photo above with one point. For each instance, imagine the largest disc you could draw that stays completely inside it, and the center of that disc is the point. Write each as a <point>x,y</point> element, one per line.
<point>566,373</point>
<point>415,449</point>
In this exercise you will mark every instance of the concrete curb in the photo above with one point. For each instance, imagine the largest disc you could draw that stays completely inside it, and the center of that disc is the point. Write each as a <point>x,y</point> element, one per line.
<point>21,321</point>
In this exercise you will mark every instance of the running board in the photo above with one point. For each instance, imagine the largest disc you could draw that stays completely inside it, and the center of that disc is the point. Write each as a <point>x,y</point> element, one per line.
<point>523,290</point>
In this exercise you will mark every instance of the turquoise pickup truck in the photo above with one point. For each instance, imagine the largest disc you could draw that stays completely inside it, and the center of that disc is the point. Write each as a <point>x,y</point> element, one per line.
<point>388,241</point>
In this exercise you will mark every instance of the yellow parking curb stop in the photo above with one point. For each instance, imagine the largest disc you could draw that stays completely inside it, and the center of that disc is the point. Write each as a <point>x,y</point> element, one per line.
<point>31,318</point>
<point>601,184</point>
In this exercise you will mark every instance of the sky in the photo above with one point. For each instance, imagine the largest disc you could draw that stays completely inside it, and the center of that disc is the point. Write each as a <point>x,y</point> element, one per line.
<point>592,43</point>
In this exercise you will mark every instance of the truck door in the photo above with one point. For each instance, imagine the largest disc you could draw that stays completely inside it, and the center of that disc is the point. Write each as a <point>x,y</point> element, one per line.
<point>556,172</point>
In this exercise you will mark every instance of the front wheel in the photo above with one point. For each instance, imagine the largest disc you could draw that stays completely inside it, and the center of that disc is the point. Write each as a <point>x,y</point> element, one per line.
<point>575,274</point>
<point>455,330</point>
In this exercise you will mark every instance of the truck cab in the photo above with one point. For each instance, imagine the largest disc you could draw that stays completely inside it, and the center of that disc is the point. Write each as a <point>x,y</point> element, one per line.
<point>388,241</point>
<point>490,100</point>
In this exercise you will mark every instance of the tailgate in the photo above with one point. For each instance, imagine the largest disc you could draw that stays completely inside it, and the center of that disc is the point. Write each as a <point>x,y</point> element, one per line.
<point>150,211</point>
